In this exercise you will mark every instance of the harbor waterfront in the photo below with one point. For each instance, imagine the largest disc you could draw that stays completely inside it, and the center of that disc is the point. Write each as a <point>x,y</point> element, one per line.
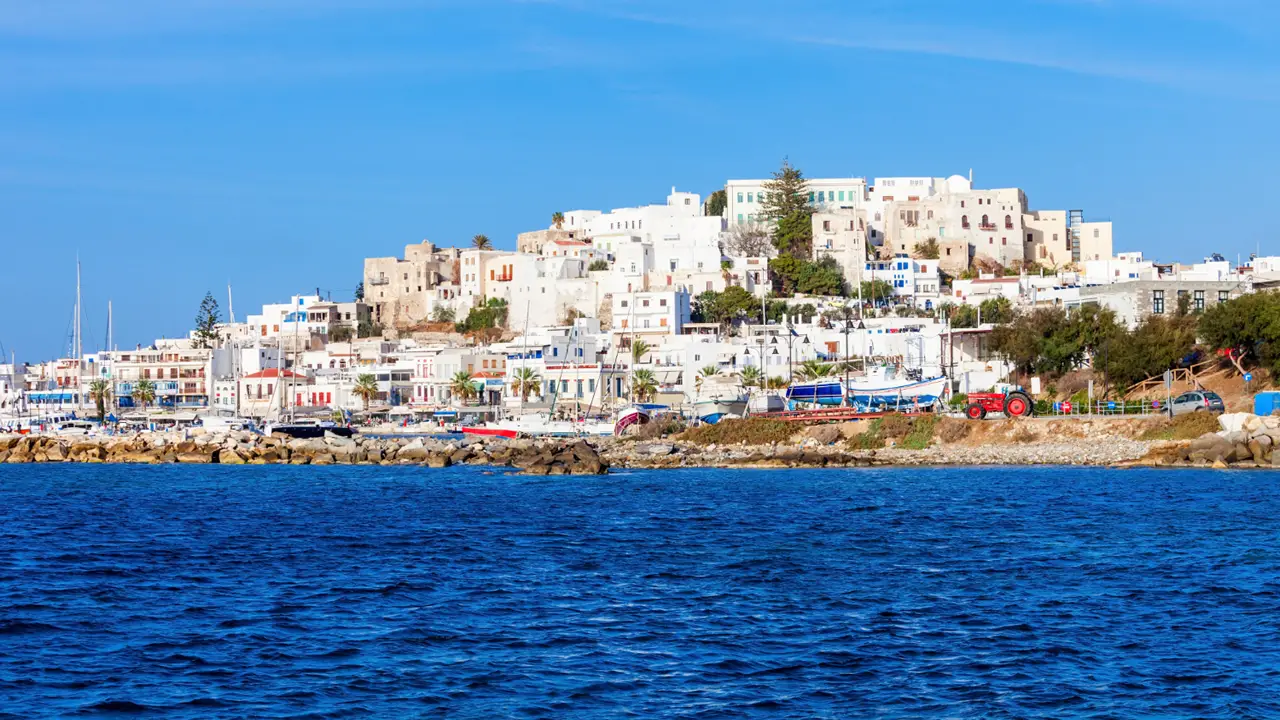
<point>289,591</point>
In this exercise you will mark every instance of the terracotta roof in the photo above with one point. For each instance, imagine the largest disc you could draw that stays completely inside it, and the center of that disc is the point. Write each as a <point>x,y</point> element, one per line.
<point>568,242</point>
<point>487,374</point>
<point>271,373</point>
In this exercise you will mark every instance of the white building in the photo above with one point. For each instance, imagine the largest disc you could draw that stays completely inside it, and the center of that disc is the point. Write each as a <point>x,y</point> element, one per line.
<point>653,313</point>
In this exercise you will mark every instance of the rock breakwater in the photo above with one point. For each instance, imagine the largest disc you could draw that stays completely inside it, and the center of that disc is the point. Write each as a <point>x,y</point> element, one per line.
<point>541,457</point>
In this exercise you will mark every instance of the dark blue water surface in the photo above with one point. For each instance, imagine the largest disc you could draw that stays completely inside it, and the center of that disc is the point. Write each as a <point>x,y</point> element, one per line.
<point>208,592</point>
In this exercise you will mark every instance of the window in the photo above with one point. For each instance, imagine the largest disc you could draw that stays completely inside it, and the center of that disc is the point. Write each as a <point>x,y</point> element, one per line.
<point>749,198</point>
<point>930,214</point>
<point>964,221</point>
<point>1095,232</point>
<point>624,303</point>
<point>662,322</point>
<point>888,198</point>
<point>739,218</point>
<point>624,323</point>
<point>986,222</point>
<point>810,197</point>
<point>739,197</point>
<point>841,195</point>
<point>822,196</point>
<point>1008,222</point>
<point>877,217</point>
<point>961,203</point>
<point>662,302</point>
<point>645,303</point>
<point>1197,301</point>
<point>1224,295</point>
<point>1029,237</point>
<point>1004,241</point>
<point>826,224</point>
<point>1157,302</point>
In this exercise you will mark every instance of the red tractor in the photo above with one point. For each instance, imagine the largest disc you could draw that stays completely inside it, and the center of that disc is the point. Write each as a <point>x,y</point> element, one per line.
<point>1013,404</point>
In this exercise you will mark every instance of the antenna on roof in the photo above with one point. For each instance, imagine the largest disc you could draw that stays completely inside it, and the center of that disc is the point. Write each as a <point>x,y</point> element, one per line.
<point>971,176</point>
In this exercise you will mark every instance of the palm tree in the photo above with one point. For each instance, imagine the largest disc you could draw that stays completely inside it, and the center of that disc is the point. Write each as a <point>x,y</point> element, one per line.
<point>777,383</point>
<point>144,393</point>
<point>366,388</point>
<point>481,242</point>
<point>525,381</point>
<point>461,385</point>
<point>100,390</point>
<point>638,349</point>
<point>750,376</point>
<point>814,369</point>
<point>704,373</point>
<point>557,219</point>
<point>644,385</point>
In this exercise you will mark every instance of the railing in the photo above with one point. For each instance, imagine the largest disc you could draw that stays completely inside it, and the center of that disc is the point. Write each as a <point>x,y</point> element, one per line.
<point>1178,375</point>
<point>989,227</point>
<point>380,281</point>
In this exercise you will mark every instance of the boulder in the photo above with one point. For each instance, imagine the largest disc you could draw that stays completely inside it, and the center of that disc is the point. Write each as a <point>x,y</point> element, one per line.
<point>439,460</point>
<point>413,452</point>
<point>823,434</point>
<point>231,456</point>
<point>1234,422</point>
<point>196,456</point>
<point>1258,451</point>
<point>1252,423</point>
<point>653,449</point>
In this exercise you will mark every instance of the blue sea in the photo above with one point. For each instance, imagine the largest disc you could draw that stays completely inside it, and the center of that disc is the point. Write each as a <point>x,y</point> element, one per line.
<point>351,592</point>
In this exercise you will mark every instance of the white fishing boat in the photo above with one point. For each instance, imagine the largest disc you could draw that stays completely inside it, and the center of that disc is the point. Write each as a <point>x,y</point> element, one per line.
<point>889,386</point>
<point>541,425</point>
<point>720,397</point>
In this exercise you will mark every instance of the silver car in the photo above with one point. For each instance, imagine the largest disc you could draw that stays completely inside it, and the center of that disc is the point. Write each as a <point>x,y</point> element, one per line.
<point>1197,401</point>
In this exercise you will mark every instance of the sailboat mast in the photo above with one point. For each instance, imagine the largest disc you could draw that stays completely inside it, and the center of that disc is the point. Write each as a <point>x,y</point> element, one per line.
<point>79,342</point>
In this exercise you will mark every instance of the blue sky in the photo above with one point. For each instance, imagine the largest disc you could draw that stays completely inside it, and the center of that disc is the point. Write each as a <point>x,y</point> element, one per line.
<point>178,145</point>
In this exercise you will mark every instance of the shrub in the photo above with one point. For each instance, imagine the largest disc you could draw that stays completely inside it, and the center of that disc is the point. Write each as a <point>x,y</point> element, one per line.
<point>1183,427</point>
<point>959,400</point>
<point>752,431</point>
<point>871,439</point>
<point>1043,407</point>
<point>895,426</point>
<point>921,435</point>
<point>953,429</point>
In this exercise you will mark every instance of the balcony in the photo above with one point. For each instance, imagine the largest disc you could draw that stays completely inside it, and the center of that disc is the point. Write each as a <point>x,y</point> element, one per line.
<point>380,281</point>
<point>989,227</point>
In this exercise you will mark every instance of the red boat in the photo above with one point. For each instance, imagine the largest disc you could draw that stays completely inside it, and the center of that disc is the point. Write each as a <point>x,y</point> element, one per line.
<point>490,431</point>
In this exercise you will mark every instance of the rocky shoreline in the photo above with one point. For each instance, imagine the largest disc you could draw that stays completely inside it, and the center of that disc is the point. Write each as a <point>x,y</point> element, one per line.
<point>549,457</point>
<point>1250,447</point>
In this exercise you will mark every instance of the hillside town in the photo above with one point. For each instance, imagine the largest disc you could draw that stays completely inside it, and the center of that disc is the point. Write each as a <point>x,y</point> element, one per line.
<point>760,285</point>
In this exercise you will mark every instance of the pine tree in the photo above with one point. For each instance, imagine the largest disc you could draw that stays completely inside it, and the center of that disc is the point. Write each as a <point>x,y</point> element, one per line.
<point>207,320</point>
<point>787,193</point>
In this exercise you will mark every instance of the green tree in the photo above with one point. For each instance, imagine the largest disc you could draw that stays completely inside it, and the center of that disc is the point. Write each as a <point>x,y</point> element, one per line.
<point>524,381</point>
<point>823,277</point>
<point>926,250</point>
<point>1156,345</point>
<point>368,328</point>
<point>704,373</point>
<point>144,393</point>
<point>341,333</point>
<point>359,293</point>
<point>366,388</point>
<point>725,307</point>
<point>443,314</point>
<point>493,314</point>
<point>997,310</point>
<point>717,202</point>
<point>813,370</point>
<point>207,319</point>
<point>481,242</point>
<point>99,391</point>
<point>461,386</point>
<point>785,194</point>
<point>877,291</point>
<point>793,235</point>
<point>638,350</point>
<point>557,219</point>
<point>751,376</point>
<point>644,385</point>
<point>1248,326</point>
<point>597,265</point>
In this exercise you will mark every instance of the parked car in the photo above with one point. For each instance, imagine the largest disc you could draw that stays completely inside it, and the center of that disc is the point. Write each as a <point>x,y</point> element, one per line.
<point>1197,401</point>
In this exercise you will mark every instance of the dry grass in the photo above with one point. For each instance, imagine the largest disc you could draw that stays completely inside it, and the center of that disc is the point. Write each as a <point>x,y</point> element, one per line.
<point>895,426</point>
<point>750,431</point>
<point>1074,382</point>
<point>1023,435</point>
<point>659,427</point>
<point>1183,427</point>
<point>952,430</point>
